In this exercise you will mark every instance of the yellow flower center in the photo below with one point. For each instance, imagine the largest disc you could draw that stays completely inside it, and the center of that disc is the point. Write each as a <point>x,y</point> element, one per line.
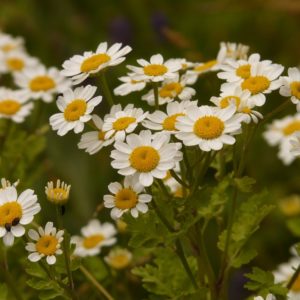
<point>94,62</point>
<point>47,245</point>
<point>296,285</point>
<point>75,110</point>
<point>9,107</point>
<point>246,110</point>
<point>58,194</point>
<point>15,64</point>
<point>179,192</point>
<point>291,128</point>
<point>126,199</point>
<point>10,213</point>
<point>256,84</point>
<point>135,81</point>
<point>101,135</point>
<point>8,47</point>
<point>168,176</point>
<point>155,70</point>
<point>243,71</point>
<point>209,127</point>
<point>41,83</point>
<point>169,122</point>
<point>206,66</point>
<point>92,241</point>
<point>226,100</point>
<point>123,123</point>
<point>144,158</point>
<point>170,90</point>
<point>290,206</point>
<point>119,261</point>
<point>295,89</point>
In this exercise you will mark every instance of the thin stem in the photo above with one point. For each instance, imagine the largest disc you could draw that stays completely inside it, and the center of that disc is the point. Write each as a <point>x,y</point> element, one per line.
<point>178,179</point>
<point>156,98</point>
<point>105,89</point>
<point>96,284</point>
<point>294,278</point>
<point>66,248</point>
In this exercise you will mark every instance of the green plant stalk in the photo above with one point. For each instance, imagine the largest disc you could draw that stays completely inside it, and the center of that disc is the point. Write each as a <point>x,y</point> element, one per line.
<point>156,98</point>
<point>96,284</point>
<point>105,89</point>
<point>66,248</point>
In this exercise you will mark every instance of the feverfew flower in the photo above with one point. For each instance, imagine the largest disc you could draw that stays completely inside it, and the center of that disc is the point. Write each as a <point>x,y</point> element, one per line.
<point>208,127</point>
<point>14,105</point>
<point>169,90</point>
<point>129,85</point>
<point>145,156</point>
<point>94,141</point>
<point>80,67</point>
<point>94,236</point>
<point>127,197</point>
<point>58,194</point>
<point>166,121</point>
<point>9,43</point>
<point>120,122</point>
<point>6,183</point>
<point>41,83</point>
<point>76,107</point>
<point>156,70</point>
<point>291,86</point>
<point>16,211</point>
<point>118,258</point>
<point>185,65</point>
<point>234,50</point>
<point>47,243</point>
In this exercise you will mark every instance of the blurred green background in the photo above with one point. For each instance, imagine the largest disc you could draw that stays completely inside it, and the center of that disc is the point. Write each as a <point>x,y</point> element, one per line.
<point>55,30</point>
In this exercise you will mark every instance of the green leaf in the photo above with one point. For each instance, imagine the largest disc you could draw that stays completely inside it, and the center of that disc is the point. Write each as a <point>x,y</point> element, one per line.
<point>96,266</point>
<point>244,257</point>
<point>38,284</point>
<point>244,184</point>
<point>34,269</point>
<point>3,291</point>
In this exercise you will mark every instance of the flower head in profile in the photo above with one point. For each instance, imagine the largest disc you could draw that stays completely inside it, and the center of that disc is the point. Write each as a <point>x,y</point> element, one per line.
<point>155,70</point>
<point>129,85</point>
<point>9,43</point>
<point>94,236</point>
<point>59,193</point>
<point>76,107</point>
<point>129,196</point>
<point>146,156</point>
<point>41,83</point>
<point>235,51</point>
<point>120,122</point>
<point>80,67</point>
<point>46,243</point>
<point>118,258</point>
<point>6,183</point>
<point>94,141</point>
<point>15,212</point>
<point>290,206</point>
<point>208,127</point>
<point>14,105</point>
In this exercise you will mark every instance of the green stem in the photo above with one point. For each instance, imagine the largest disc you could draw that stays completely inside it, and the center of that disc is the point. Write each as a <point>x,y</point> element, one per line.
<point>96,284</point>
<point>156,97</point>
<point>294,278</point>
<point>178,179</point>
<point>66,247</point>
<point>105,89</point>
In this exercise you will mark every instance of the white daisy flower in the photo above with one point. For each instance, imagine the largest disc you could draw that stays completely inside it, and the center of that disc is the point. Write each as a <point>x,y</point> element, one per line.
<point>14,105</point>
<point>58,194</point>
<point>17,61</point>
<point>283,274</point>
<point>280,132</point>
<point>80,67</point>
<point>185,65</point>
<point>208,127</point>
<point>129,85</point>
<point>291,86</point>
<point>120,122</point>
<point>170,90</point>
<point>165,121</point>
<point>118,258</point>
<point>269,297</point>
<point>76,107</point>
<point>9,43</point>
<point>94,236</point>
<point>156,70</point>
<point>145,156</point>
<point>16,211</point>
<point>41,83</point>
<point>262,80</point>
<point>127,197</point>
<point>94,141</point>
<point>235,51</point>
<point>47,243</point>
<point>6,183</point>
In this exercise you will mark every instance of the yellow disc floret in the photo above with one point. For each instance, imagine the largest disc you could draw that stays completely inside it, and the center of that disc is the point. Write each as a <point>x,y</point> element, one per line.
<point>75,110</point>
<point>209,127</point>
<point>123,123</point>
<point>119,261</point>
<point>41,83</point>
<point>93,240</point>
<point>226,101</point>
<point>170,90</point>
<point>15,64</point>
<point>47,245</point>
<point>144,158</point>
<point>155,70</point>
<point>9,107</point>
<point>169,122</point>
<point>94,62</point>
<point>10,213</point>
<point>243,71</point>
<point>292,127</point>
<point>206,66</point>
<point>296,285</point>
<point>126,199</point>
<point>256,84</point>
<point>101,135</point>
<point>295,89</point>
